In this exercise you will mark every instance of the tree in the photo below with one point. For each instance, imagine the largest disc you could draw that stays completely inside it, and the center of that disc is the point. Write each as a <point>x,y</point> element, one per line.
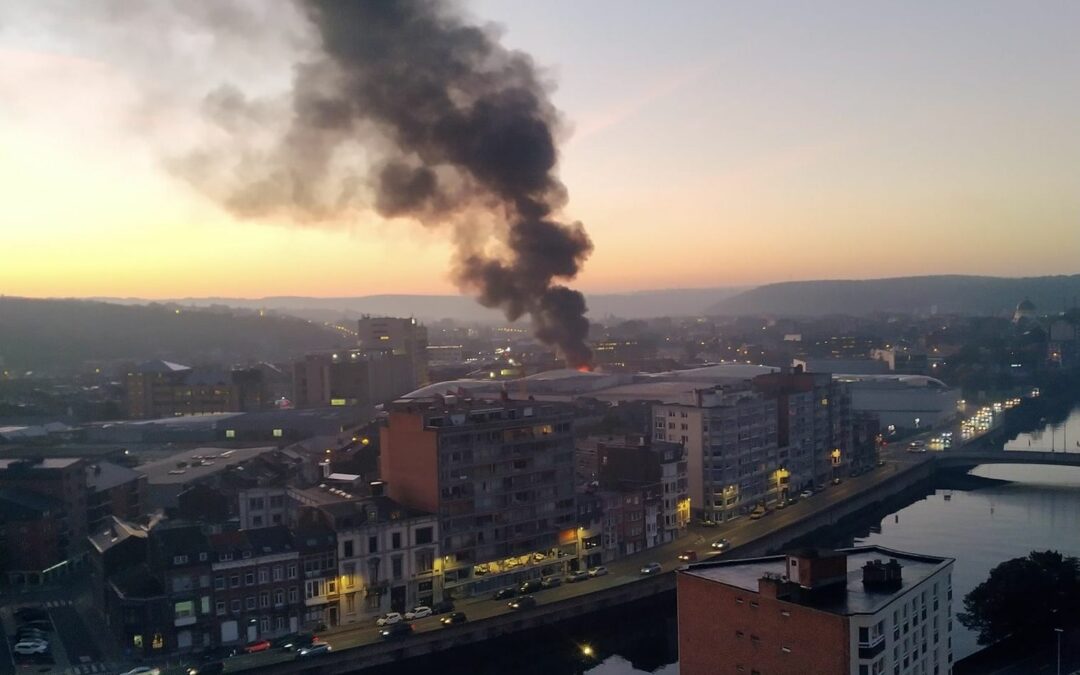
<point>1025,598</point>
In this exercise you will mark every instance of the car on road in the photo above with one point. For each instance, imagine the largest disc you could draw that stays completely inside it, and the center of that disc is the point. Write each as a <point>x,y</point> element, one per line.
<point>419,612</point>
<point>688,556</point>
<point>396,630</point>
<point>597,571</point>
<point>720,545</point>
<point>389,619</point>
<point>143,670</point>
<point>524,602</point>
<point>504,594</point>
<point>31,647</point>
<point>551,582</point>
<point>291,643</point>
<point>707,523</point>
<point>257,646</point>
<point>651,568</point>
<point>211,668</point>
<point>576,576</point>
<point>442,607</point>
<point>313,649</point>
<point>806,494</point>
<point>758,512</point>
<point>530,587</point>
<point>453,617</point>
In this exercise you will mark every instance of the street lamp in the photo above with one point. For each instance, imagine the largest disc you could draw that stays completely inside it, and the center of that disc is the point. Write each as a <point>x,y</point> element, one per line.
<point>1059,631</point>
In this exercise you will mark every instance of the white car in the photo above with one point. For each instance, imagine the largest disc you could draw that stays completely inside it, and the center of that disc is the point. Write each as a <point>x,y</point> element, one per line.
<point>30,647</point>
<point>143,670</point>
<point>806,494</point>
<point>389,619</point>
<point>418,613</point>
<point>598,571</point>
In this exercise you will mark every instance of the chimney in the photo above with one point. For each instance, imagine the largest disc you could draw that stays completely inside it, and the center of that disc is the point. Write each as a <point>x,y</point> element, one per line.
<point>882,576</point>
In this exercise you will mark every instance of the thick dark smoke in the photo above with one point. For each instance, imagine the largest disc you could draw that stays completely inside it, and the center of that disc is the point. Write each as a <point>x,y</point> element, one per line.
<point>455,129</point>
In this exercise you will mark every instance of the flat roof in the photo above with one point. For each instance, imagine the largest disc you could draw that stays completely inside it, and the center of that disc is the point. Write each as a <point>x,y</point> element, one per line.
<point>856,599</point>
<point>43,463</point>
<point>198,463</point>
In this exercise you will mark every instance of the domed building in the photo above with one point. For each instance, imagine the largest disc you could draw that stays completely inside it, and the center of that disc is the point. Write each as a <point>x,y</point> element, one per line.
<point>1025,311</point>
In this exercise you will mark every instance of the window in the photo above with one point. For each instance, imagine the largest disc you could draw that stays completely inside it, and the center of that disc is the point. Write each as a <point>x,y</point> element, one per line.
<point>293,594</point>
<point>204,604</point>
<point>236,606</point>
<point>264,599</point>
<point>250,602</point>
<point>257,521</point>
<point>373,544</point>
<point>230,433</point>
<point>220,607</point>
<point>264,624</point>
<point>234,581</point>
<point>279,573</point>
<point>255,503</point>
<point>277,501</point>
<point>264,575</point>
<point>279,597</point>
<point>395,540</point>
<point>219,583</point>
<point>249,578</point>
<point>331,586</point>
<point>184,609</point>
<point>179,560</point>
<point>224,557</point>
<point>347,548</point>
<point>348,571</point>
<point>424,535</point>
<point>396,567</point>
<point>312,588</point>
<point>279,623</point>
<point>291,570</point>
<point>203,557</point>
<point>278,433</point>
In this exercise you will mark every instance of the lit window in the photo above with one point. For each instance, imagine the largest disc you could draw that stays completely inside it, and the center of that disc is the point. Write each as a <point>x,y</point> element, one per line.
<point>278,433</point>
<point>230,433</point>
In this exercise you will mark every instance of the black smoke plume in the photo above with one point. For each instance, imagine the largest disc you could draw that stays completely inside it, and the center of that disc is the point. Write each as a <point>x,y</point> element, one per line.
<point>456,130</point>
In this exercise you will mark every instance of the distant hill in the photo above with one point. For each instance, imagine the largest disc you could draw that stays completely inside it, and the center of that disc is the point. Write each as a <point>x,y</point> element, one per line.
<point>58,335</point>
<point>640,305</point>
<point>944,294</point>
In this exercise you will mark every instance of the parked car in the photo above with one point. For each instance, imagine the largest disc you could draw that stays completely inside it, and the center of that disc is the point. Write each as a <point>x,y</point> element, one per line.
<point>758,512</point>
<point>576,576</point>
<point>211,668</point>
<point>524,602</point>
<point>806,494</point>
<point>720,545</point>
<point>836,481</point>
<point>597,571</point>
<point>452,618</point>
<point>442,607</point>
<point>389,619</point>
<point>396,630</point>
<point>31,647</point>
<point>143,670</point>
<point>39,624</point>
<point>28,635</point>
<point>530,587</point>
<point>688,556</point>
<point>651,568</point>
<point>418,612</point>
<point>705,522</point>
<point>550,582</point>
<point>313,650</point>
<point>504,594</point>
<point>257,646</point>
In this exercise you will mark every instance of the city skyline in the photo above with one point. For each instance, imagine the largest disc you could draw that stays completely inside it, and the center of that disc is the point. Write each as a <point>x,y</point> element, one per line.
<point>744,143</point>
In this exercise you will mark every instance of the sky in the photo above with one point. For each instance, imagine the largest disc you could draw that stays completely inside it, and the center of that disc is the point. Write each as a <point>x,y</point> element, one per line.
<point>705,144</point>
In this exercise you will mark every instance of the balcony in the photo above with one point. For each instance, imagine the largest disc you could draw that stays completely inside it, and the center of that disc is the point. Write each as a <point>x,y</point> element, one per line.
<point>872,647</point>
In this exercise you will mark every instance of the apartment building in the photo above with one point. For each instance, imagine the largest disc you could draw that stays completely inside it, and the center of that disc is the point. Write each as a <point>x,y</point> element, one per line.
<point>404,337</point>
<point>734,462</point>
<point>860,611</point>
<point>352,377</point>
<point>499,474</point>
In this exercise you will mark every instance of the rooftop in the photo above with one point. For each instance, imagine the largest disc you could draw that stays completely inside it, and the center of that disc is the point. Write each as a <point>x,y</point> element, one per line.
<point>43,463</point>
<point>856,598</point>
<point>106,475</point>
<point>192,465</point>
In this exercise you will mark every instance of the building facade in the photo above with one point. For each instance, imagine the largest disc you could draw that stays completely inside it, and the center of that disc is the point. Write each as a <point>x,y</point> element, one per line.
<point>404,337</point>
<point>734,462</point>
<point>499,474</point>
<point>860,611</point>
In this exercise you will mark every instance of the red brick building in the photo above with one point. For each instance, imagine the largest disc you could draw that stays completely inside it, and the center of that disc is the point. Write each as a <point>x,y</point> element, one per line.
<point>827,613</point>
